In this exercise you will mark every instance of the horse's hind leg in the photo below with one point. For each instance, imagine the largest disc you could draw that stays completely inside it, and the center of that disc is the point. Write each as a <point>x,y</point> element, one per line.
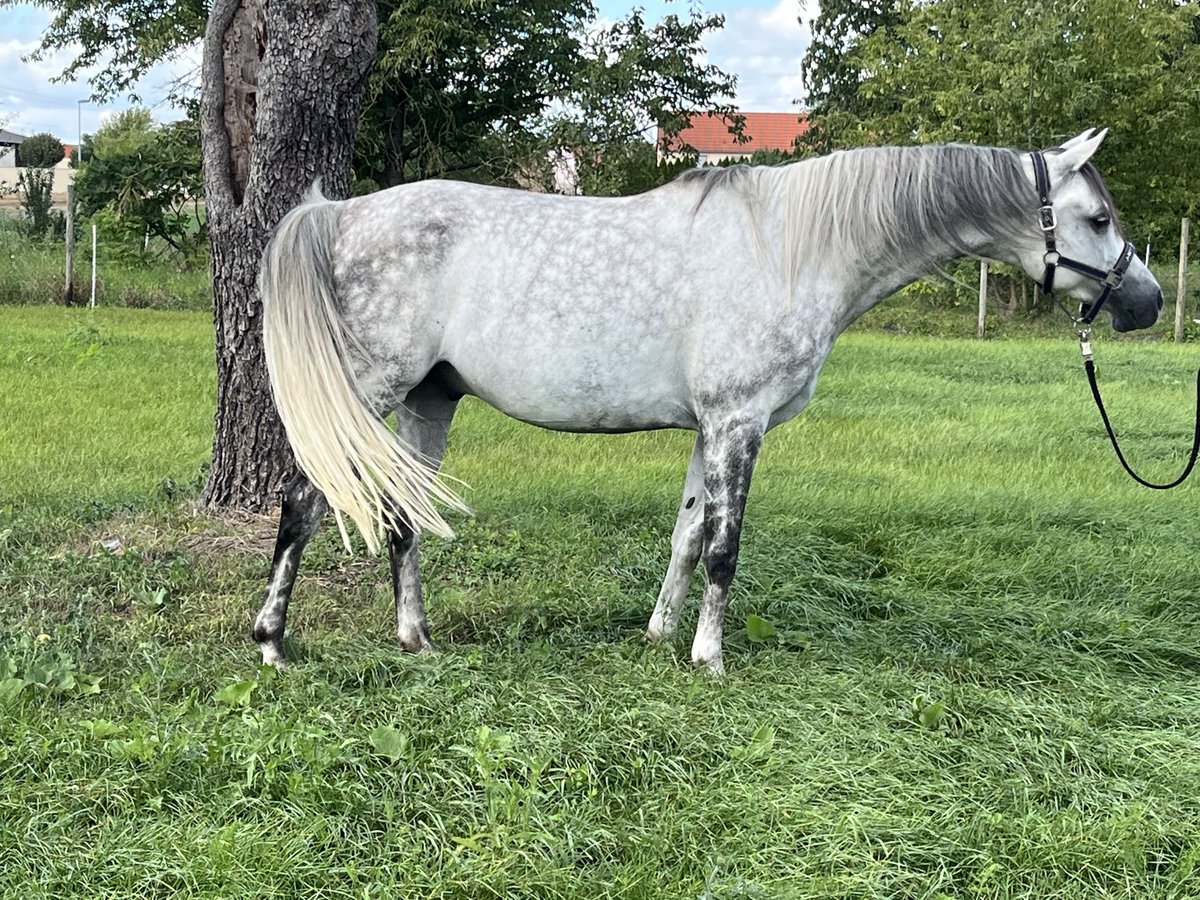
<point>424,422</point>
<point>303,507</point>
<point>686,541</point>
<point>730,450</point>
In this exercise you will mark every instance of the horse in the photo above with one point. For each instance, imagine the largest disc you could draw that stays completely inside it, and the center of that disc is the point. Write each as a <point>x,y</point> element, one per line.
<point>707,304</point>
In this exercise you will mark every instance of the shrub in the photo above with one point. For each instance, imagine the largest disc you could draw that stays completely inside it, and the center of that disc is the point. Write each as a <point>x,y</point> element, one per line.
<point>34,188</point>
<point>41,151</point>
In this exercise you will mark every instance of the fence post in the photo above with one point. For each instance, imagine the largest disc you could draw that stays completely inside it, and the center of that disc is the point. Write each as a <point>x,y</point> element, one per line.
<point>69,290</point>
<point>1181,290</point>
<point>93,303</point>
<point>981,327</point>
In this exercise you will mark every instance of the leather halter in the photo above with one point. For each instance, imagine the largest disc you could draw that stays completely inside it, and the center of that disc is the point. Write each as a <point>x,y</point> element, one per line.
<point>1048,221</point>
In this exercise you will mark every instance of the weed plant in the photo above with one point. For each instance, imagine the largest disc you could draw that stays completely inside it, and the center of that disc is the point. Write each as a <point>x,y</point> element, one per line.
<point>33,273</point>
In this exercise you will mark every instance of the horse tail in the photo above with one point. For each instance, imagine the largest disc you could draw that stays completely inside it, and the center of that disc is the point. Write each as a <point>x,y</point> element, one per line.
<point>361,466</point>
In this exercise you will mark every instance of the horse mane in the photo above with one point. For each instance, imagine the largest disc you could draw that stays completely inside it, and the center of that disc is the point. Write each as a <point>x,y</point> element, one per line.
<point>888,206</point>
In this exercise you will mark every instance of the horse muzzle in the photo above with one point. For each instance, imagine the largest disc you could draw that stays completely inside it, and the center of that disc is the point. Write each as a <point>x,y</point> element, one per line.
<point>1133,308</point>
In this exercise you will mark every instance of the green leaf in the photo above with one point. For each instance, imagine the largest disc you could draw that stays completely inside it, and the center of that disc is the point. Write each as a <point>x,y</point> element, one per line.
<point>102,729</point>
<point>236,694</point>
<point>10,688</point>
<point>472,842</point>
<point>87,684</point>
<point>759,630</point>
<point>799,640</point>
<point>390,742</point>
<point>760,744</point>
<point>932,715</point>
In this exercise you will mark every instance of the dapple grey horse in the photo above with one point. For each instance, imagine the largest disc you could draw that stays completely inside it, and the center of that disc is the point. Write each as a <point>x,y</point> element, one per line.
<point>708,304</point>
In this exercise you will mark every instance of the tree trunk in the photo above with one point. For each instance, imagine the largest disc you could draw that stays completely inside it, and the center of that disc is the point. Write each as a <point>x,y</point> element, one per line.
<point>281,89</point>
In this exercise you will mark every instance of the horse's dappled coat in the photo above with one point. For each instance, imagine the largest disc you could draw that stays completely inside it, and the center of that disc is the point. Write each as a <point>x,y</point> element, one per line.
<point>708,304</point>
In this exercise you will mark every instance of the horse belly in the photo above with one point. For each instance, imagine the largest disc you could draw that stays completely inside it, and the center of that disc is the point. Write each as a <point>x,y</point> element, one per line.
<point>596,389</point>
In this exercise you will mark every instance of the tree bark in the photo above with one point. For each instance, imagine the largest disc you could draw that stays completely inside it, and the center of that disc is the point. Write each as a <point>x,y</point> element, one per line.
<point>282,84</point>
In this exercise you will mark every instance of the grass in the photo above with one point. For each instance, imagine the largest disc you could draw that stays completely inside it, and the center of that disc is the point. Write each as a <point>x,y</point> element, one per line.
<point>963,649</point>
<point>33,273</point>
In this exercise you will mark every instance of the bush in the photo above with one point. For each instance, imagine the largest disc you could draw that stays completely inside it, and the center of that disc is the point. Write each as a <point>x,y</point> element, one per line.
<point>41,151</point>
<point>143,181</point>
<point>34,188</point>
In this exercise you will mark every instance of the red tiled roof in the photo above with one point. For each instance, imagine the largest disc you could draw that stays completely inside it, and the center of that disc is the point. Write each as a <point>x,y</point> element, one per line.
<point>709,133</point>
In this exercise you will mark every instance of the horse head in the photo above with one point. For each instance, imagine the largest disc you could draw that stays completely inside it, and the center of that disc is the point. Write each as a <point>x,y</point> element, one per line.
<point>1076,245</point>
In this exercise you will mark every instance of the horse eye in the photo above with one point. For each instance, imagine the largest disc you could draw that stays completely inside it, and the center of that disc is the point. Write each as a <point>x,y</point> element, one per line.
<point>1100,222</point>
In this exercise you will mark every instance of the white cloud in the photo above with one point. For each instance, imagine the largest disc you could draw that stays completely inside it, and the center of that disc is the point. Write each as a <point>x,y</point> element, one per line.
<point>31,101</point>
<point>763,47</point>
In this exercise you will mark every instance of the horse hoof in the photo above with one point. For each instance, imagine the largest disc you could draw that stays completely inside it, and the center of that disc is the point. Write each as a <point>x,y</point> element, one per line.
<point>272,655</point>
<point>659,628</point>
<point>419,644</point>
<point>713,668</point>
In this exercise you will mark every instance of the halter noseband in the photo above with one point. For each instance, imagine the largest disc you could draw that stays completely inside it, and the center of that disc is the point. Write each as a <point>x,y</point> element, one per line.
<point>1052,259</point>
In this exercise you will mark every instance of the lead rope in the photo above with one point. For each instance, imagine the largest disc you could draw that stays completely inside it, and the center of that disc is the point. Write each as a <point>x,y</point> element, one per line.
<point>1085,347</point>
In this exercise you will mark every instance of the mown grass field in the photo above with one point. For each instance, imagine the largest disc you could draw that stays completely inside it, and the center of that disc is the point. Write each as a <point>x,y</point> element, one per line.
<point>976,674</point>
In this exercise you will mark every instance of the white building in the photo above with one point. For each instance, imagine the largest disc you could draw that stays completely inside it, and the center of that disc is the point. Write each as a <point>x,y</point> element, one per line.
<point>11,169</point>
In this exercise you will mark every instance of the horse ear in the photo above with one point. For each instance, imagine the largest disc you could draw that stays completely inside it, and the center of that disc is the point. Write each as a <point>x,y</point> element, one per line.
<point>1078,139</point>
<point>1075,152</point>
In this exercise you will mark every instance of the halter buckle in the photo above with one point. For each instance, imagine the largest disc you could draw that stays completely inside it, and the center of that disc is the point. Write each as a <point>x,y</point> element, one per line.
<point>1085,343</point>
<point>1051,257</point>
<point>1047,218</point>
<point>1114,278</point>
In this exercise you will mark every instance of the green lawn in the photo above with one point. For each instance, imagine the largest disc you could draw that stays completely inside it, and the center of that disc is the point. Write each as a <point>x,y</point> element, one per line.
<point>983,678</point>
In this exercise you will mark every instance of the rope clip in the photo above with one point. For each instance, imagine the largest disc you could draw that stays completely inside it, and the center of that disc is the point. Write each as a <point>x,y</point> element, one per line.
<point>1085,343</point>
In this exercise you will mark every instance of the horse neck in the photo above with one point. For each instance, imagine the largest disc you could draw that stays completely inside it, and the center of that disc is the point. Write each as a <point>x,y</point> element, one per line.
<point>867,222</point>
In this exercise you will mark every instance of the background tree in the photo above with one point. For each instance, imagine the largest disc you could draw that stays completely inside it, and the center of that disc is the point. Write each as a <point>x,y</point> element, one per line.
<point>38,154</point>
<point>281,95</point>
<point>41,151</point>
<point>833,73</point>
<point>1028,73</point>
<point>630,77</point>
<point>145,179</point>
<point>487,91</point>
<point>456,82</point>
<point>33,189</point>
<point>113,42</point>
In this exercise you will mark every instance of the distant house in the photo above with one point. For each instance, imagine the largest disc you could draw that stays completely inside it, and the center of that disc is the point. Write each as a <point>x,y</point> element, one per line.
<point>9,142</point>
<point>11,166</point>
<point>709,136</point>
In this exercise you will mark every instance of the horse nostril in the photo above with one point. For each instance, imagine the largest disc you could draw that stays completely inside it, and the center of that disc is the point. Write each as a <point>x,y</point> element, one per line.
<point>1160,301</point>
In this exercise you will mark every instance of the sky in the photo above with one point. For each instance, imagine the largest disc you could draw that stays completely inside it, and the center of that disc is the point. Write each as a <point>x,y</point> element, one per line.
<point>762,44</point>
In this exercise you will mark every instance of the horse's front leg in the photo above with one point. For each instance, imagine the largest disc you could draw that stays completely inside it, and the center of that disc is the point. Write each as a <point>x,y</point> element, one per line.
<point>730,450</point>
<point>300,517</point>
<point>685,550</point>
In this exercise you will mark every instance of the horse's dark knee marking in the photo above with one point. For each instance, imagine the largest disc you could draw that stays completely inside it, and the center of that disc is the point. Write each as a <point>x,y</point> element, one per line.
<point>720,552</point>
<point>400,541</point>
<point>721,567</point>
<point>300,514</point>
<point>691,501</point>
